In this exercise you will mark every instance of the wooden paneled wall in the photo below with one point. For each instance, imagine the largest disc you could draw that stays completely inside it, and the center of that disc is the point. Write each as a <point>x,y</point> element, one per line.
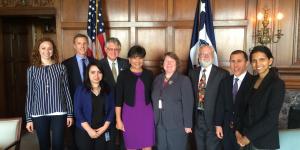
<point>160,26</point>
<point>166,25</point>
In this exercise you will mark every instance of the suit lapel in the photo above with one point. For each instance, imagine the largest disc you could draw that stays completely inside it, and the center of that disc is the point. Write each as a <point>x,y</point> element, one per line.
<point>120,65</point>
<point>212,75</point>
<point>108,70</point>
<point>76,69</point>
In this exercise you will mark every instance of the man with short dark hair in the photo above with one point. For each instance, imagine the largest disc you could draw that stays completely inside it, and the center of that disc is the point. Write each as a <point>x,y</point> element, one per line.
<point>76,72</point>
<point>232,92</point>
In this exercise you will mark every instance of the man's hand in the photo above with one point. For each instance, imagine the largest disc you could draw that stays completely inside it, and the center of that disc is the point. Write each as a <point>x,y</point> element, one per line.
<point>219,132</point>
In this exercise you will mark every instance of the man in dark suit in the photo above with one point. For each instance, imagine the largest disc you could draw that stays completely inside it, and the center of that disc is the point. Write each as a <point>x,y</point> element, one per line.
<point>76,71</point>
<point>205,81</point>
<point>232,92</point>
<point>112,65</point>
<point>76,64</point>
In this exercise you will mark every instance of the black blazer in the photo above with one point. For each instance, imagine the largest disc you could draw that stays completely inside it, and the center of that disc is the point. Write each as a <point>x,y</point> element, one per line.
<point>74,76</point>
<point>125,88</point>
<point>228,111</point>
<point>261,122</point>
<point>123,64</point>
<point>211,92</point>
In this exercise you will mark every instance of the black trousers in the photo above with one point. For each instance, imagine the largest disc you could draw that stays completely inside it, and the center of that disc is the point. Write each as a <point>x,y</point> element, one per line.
<point>57,125</point>
<point>252,147</point>
<point>205,135</point>
<point>229,140</point>
<point>84,142</point>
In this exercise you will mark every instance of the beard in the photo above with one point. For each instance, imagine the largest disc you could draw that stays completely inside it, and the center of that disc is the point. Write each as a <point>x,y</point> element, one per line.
<point>204,63</point>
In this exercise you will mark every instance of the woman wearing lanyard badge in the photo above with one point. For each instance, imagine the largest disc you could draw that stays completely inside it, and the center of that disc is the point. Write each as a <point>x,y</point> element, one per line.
<point>172,98</point>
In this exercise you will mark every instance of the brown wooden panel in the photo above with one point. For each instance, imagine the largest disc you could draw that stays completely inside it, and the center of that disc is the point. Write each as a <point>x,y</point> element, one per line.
<point>182,43</point>
<point>116,10</point>
<point>123,34</point>
<point>2,76</point>
<point>151,10</point>
<point>67,43</point>
<point>229,9</point>
<point>184,10</point>
<point>74,10</point>
<point>154,41</point>
<point>228,40</point>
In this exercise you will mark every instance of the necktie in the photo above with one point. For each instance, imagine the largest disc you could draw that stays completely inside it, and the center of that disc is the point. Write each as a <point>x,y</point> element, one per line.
<point>83,68</point>
<point>201,90</point>
<point>114,70</point>
<point>235,88</point>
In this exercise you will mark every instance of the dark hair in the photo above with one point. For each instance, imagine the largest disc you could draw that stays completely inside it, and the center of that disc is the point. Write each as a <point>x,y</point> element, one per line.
<point>35,55</point>
<point>113,40</point>
<point>173,56</point>
<point>263,49</point>
<point>240,52</point>
<point>87,82</point>
<point>136,51</point>
<point>79,35</point>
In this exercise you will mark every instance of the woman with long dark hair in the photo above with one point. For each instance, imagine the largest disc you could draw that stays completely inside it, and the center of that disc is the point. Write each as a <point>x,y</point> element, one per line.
<point>94,111</point>
<point>259,127</point>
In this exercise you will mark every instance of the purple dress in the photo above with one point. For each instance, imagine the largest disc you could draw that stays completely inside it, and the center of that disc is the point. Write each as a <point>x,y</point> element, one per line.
<point>138,120</point>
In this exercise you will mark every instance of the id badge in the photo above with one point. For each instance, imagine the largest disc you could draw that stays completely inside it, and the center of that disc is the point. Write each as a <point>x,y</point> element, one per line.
<point>107,138</point>
<point>160,104</point>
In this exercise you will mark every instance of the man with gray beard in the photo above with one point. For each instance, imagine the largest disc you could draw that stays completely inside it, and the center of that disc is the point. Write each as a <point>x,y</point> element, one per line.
<point>205,81</point>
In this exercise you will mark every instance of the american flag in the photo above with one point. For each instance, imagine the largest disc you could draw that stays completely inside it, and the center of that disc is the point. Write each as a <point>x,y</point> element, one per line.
<point>203,32</point>
<point>95,30</point>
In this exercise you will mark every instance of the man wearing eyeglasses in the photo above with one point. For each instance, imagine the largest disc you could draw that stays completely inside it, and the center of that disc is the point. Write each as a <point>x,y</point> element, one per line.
<point>112,65</point>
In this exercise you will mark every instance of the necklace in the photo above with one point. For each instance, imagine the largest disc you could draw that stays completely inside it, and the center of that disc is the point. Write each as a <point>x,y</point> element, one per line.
<point>96,90</point>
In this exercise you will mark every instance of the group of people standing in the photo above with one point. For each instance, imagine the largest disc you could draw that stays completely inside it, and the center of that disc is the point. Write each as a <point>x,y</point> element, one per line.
<point>115,95</point>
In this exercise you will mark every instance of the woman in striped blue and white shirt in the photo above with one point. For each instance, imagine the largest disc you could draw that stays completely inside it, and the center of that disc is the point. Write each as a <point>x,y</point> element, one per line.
<point>48,102</point>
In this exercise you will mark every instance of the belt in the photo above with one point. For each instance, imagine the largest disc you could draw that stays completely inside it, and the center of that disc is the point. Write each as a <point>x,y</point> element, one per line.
<point>201,112</point>
<point>231,124</point>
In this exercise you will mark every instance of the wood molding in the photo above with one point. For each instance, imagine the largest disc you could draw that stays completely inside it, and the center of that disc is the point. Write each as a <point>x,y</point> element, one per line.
<point>26,3</point>
<point>22,11</point>
<point>291,76</point>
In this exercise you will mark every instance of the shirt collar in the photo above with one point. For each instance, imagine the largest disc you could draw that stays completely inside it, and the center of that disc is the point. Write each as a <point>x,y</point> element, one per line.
<point>110,61</point>
<point>241,77</point>
<point>207,69</point>
<point>79,57</point>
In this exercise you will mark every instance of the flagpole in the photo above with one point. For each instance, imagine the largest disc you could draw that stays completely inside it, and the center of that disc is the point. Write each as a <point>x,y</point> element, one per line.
<point>96,27</point>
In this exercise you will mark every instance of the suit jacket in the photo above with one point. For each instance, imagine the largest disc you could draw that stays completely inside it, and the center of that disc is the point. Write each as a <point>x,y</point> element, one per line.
<point>74,76</point>
<point>123,64</point>
<point>177,98</point>
<point>83,106</point>
<point>262,113</point>
<point>228,111</point>
<point>211,91</point>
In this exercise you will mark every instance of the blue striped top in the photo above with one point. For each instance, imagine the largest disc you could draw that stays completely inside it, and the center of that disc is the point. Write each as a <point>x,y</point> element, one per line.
<point>47,91</point>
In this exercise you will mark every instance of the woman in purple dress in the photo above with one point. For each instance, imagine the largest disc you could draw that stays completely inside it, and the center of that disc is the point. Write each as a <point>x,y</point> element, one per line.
<point>134,112</point>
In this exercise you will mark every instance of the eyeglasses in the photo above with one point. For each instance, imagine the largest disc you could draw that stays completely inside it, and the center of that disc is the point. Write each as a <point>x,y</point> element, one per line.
<point>113,49</point>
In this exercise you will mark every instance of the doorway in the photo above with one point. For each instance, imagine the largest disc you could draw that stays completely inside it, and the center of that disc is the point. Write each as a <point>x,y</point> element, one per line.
<point>18,38</point>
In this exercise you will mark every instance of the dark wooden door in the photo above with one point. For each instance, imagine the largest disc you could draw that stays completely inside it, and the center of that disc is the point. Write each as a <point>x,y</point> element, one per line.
<point>16,37</point>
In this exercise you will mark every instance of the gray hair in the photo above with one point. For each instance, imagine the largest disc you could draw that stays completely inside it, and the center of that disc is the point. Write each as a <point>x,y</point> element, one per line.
<point>113,40</point>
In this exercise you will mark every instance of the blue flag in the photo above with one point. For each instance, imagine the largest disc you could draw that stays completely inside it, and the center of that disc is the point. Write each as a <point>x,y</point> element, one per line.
<point>203,32</point>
